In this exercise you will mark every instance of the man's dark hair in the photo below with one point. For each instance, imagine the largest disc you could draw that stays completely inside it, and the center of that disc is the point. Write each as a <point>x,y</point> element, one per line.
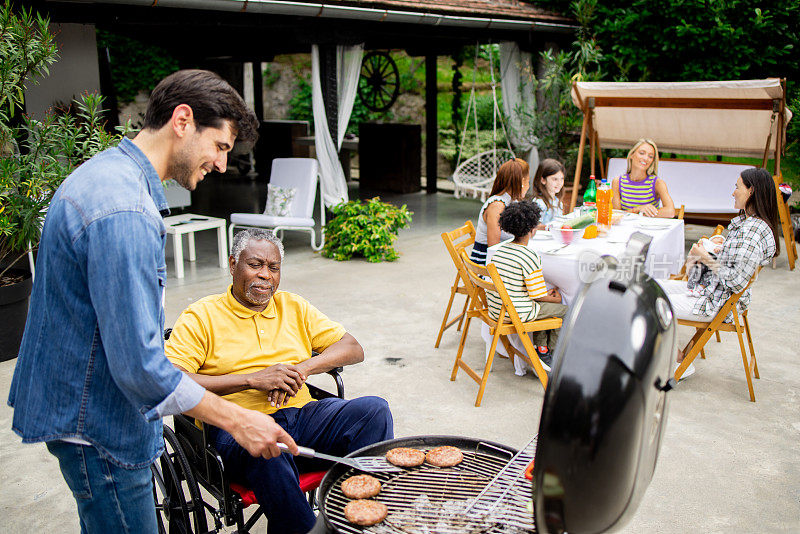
<point>211,98</point>
<point>519,218</point>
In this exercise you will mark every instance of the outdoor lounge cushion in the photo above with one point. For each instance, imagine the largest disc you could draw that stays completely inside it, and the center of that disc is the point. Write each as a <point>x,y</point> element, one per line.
<point>279,200</point>
<point>703,187</point>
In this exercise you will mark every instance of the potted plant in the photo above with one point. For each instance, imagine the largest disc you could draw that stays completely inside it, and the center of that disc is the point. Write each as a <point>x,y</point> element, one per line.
<point>365,228</point>
<point>36,154</point>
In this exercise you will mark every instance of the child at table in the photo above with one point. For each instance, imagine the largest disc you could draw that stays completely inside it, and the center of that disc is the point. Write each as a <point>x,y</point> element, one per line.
<point>520,268</point>
<point>548,190</point>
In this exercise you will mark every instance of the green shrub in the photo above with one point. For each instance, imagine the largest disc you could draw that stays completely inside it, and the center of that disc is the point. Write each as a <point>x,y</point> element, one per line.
<point>450,141</point>
<point>135,66</point>
<point>364,228</point>
<point>301,108</point>
<point>37,154</point>
<point>270,76</point>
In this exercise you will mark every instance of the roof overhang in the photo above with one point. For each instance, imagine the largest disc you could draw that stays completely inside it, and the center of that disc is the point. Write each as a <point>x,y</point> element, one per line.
<point>340,11</point>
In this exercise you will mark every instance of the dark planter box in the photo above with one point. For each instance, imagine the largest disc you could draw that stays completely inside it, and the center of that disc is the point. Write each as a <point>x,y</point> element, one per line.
<point>390,157</point>
<point>14,301</point>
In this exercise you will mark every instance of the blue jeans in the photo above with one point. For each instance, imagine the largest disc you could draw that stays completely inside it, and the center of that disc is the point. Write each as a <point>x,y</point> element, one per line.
<point>110,498</point>
<point>332,426</point>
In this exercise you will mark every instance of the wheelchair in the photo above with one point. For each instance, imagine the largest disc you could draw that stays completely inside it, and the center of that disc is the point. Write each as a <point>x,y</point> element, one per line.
<point>190,462</point>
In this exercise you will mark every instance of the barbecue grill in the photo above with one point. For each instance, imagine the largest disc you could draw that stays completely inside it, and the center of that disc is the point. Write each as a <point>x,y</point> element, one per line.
<point>599,434</point>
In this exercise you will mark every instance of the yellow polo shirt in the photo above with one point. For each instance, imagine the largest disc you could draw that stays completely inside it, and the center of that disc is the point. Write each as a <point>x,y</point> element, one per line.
<point>217,336</point>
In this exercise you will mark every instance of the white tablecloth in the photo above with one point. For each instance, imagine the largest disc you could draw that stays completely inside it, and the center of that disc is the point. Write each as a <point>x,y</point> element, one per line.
<point>568,267</point>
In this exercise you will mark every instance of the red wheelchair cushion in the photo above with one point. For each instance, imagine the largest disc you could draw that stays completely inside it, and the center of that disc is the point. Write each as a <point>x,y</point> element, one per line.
<point>308,482</point>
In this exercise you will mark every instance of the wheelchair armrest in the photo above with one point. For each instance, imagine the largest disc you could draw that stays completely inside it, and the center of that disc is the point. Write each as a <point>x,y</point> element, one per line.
<point>319,393</point>
<point>337,376</point>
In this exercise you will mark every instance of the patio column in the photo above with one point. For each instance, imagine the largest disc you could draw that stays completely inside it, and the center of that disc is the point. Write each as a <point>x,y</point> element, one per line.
<point>330,96</point>
<point>431,123</point>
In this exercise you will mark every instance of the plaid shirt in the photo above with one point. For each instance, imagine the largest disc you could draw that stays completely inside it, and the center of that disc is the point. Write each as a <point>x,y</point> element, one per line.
<point>749,243</point>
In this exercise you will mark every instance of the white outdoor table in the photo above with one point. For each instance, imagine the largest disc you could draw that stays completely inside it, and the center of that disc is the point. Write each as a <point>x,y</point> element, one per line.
<point>189,223</point>
<point>563,268</point>
<point>566,268</point>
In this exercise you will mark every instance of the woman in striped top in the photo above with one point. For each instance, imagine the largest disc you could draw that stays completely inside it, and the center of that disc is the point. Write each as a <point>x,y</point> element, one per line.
<point>520,268</point>
<point>639,190</point>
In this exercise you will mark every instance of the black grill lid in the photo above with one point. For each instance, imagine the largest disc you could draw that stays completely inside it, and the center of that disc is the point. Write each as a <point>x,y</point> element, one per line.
<point>605,405</point>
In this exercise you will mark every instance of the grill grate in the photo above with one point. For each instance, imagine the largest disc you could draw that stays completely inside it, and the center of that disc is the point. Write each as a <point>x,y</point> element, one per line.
<point>432,500</point>
<point>509,492</point>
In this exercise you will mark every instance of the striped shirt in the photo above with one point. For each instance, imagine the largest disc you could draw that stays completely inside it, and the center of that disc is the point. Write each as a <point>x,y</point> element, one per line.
<point>520,268</point>
<point>632,193</point>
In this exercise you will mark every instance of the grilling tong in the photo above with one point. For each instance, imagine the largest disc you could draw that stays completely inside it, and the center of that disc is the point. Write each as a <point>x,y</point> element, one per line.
<point>372,464</point>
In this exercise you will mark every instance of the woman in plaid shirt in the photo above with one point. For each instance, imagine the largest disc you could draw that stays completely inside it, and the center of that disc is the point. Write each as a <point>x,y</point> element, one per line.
<point>752,241</point>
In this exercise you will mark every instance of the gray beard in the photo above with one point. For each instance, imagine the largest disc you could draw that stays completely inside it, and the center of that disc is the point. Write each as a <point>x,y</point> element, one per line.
<point>257,300</point>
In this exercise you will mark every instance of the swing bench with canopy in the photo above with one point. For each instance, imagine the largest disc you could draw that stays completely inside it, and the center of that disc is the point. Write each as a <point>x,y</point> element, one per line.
<point>745,118</point>
<point>476,174</point>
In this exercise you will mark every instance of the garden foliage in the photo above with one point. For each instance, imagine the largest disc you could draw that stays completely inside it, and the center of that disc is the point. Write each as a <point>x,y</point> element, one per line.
<point>695,40</point>
<point>365,228</point>
<point>38,153</point>
<point>135,66</point>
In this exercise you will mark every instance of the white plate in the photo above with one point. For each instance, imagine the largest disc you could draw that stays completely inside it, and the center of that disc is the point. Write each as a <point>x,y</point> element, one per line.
<point>541,235</point>
<point>653,224</point>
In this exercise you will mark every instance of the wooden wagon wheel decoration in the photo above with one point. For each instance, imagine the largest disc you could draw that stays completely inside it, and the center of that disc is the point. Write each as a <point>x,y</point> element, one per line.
<point>379,84</point>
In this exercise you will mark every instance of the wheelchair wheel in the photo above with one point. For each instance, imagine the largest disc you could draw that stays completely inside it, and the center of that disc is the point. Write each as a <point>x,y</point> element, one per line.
<point>179,507</point>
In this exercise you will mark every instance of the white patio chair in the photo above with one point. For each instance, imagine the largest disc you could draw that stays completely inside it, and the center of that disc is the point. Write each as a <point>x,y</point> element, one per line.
<point>301,174</point>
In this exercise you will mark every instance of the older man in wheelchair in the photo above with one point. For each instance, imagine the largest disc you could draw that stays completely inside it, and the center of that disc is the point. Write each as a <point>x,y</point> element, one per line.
<point>253,344</point>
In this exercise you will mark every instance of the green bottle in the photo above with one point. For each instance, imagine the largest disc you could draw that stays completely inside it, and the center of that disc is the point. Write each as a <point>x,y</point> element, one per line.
<point>590,195</point>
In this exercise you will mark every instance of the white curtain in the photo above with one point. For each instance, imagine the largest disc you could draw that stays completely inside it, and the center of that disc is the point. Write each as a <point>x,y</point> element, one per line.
<point>348,68</point>
<point>518,84</point>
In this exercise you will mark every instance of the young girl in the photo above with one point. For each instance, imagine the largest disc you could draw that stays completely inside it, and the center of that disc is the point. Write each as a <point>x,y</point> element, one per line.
<point>520,268</point>
<point>510,185</point>
<point>548,190</point>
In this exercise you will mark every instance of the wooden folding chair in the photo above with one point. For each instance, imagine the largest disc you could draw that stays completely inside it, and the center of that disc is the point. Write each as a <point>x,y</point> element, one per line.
<point>716,325</point>
<point>680,211</point>
<point>456,241</point>
<point>500,329</point>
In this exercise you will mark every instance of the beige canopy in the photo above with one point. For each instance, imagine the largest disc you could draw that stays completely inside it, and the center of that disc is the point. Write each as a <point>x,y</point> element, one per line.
<point>730,118</point>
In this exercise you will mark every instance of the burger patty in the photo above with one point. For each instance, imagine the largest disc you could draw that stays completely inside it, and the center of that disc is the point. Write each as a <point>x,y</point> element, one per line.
<point>405,457</point>
<point>361,487</point>
<point>445,456</point>
<point>365,513</point>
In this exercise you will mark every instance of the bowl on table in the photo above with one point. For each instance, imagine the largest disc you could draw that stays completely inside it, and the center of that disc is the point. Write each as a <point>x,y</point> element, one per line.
<point>565,236</point>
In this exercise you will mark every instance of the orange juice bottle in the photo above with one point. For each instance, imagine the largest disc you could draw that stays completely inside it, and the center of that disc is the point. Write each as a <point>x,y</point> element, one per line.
<point>604,204</point>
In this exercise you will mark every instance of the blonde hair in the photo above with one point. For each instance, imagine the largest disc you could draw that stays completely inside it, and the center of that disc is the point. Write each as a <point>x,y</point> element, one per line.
<point>653,168</point>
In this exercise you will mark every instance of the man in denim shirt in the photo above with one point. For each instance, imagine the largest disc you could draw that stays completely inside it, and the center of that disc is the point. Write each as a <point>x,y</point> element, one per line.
<point>91,379</point>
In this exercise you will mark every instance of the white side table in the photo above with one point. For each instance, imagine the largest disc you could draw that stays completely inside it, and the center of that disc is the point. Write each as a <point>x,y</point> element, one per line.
<point>189,223</point>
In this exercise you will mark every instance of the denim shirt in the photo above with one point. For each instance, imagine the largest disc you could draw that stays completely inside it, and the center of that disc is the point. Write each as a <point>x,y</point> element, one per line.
<point>91,365</point>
